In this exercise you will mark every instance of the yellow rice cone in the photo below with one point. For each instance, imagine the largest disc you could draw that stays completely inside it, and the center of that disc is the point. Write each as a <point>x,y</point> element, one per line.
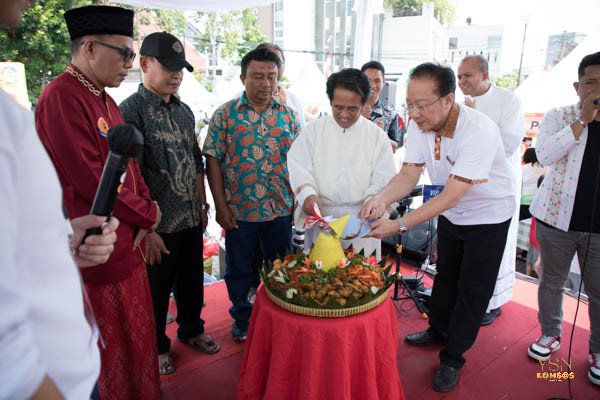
<point>328,248</point>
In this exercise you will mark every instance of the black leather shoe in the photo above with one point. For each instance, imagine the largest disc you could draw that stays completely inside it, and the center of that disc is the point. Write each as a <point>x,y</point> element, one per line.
<point>445,379</point>
<point>489,317</point>
<point>422,338</point>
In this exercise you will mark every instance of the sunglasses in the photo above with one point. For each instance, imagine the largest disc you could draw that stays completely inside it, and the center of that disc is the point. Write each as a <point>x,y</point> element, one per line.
<point>126,53</point>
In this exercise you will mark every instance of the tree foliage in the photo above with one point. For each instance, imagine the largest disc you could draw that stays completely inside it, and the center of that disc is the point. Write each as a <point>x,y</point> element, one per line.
<point>212,39</point>
<point>443,10</point>
<point>507,81</point>
<point>41,42</point>
<point>171,21</point>
<point>228,35</point>
<point>251,35</point>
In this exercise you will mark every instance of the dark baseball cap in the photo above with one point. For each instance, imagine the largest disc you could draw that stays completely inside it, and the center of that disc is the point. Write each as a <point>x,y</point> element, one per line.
<point>167,49</point>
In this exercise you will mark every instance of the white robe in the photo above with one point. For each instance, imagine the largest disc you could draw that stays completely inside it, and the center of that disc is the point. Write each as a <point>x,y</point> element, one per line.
<point>343,167</point>
<point>505,109</point>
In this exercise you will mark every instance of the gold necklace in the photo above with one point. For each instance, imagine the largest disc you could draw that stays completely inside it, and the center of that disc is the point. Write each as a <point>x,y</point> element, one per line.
<point>83,81</point>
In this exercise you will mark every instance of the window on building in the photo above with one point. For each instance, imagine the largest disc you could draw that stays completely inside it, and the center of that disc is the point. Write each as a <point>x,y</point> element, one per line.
<point>453,43</point>
<point>279,33</point>
<point>494,42</point>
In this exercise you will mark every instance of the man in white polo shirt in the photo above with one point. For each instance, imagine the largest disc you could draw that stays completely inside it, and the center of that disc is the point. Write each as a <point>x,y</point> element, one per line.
<point>464,156</point>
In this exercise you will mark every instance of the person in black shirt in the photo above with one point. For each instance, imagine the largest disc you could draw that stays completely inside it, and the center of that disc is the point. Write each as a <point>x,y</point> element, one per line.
<point>568,213</point>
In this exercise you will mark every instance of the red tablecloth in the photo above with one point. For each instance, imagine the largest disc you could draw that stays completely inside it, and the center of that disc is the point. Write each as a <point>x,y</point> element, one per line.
<point>291,356</point>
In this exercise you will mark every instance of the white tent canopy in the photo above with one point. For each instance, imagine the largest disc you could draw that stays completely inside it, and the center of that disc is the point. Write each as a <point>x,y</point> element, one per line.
<point>199,5</point>
<point>545,90</point>
<point>309,84</point>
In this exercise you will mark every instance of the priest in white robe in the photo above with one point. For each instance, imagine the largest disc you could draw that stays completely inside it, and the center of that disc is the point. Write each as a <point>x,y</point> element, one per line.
<point>504,108</point>
<point>339,161</point>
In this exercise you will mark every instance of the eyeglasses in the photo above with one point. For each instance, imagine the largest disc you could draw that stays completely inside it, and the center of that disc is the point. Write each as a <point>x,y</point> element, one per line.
<point>420,107</point>
<point>126,53</point>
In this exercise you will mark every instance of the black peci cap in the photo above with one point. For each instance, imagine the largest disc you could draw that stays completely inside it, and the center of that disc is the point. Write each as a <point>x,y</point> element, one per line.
<point>167,49</point>
<point>99,20</point>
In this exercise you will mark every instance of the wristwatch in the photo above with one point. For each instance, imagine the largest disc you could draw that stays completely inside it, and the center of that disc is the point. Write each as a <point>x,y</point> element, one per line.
<point>402,227</point>
<point>205,207</point>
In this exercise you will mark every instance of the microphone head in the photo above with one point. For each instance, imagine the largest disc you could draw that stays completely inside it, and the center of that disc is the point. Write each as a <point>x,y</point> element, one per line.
<point>125,140</point>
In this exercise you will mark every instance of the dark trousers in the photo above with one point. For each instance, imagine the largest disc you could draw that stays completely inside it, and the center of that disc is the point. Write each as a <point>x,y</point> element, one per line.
<point>524,212</point>
<point>257,263</point>
<point>182,270</point>
<point>95,393</point>
<point>275,240</point>
<point>468,262</point>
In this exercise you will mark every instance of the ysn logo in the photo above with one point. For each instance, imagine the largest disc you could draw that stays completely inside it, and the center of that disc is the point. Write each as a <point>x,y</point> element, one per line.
<point>556,370</point>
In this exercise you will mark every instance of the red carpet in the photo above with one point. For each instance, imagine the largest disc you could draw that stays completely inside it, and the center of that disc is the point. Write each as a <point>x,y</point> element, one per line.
<point>218,325</point>
<point>497,366</point>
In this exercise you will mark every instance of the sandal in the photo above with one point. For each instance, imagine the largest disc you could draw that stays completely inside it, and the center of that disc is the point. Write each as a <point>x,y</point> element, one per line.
<point>165,364</point>
<point>203,343</point>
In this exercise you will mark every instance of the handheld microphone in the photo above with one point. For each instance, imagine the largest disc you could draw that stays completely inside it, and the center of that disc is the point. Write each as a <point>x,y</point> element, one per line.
<point>124,141</point>
<point>597,101</point>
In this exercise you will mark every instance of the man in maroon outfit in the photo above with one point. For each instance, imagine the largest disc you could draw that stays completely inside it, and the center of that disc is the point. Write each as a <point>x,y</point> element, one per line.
<point>73,117</point>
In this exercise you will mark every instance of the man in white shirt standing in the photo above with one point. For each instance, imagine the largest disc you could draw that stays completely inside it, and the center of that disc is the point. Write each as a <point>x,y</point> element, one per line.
<point>505,109</point>
<point>462,151</point>
<point>47,348</point>
<point>341,160</point>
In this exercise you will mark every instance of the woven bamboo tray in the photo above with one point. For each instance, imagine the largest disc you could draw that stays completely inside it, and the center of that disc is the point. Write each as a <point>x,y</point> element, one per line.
<point>326,312</point>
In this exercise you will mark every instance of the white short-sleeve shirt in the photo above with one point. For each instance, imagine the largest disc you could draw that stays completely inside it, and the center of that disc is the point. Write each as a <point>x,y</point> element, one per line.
<point>474,154</point>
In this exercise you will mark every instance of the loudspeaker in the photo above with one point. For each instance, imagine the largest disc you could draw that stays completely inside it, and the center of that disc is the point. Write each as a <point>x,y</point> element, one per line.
<point>413,282</point>
<point>416,244</point>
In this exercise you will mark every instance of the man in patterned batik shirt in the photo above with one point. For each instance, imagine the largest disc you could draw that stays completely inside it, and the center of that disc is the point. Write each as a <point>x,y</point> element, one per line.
<point>172,167</point>
<point>246,154</point>
<point>378,112</point>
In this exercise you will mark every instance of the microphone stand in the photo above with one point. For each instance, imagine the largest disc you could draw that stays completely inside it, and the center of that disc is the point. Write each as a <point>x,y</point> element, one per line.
<point>411,293</point>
